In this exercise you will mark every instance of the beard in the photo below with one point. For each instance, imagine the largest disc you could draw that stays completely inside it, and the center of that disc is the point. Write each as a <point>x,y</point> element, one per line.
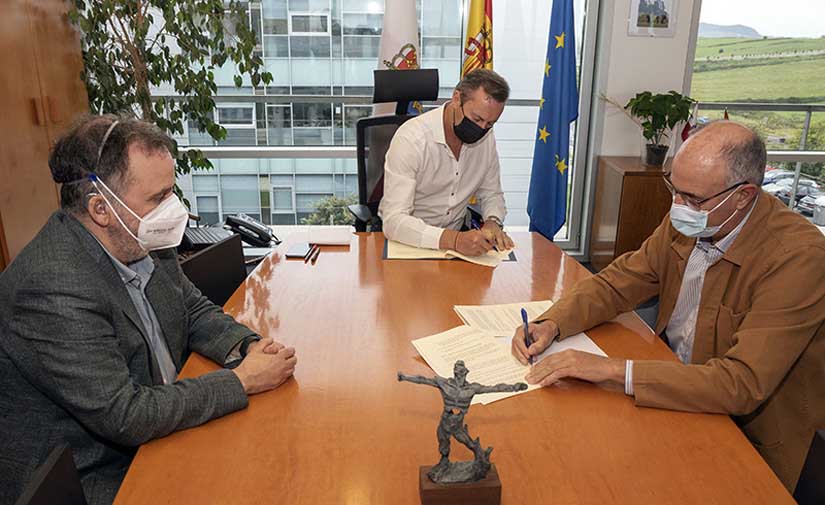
<point>127,247</point>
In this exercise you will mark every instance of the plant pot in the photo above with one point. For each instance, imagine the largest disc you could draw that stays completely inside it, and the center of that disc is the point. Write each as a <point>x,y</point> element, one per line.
<point>655,155</point>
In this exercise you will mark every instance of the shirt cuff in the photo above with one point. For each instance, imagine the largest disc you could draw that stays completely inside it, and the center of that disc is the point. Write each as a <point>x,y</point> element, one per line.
<point>235,354</point>
<point>431,236</point>
<point>628,378</point>
<point>494,209</point>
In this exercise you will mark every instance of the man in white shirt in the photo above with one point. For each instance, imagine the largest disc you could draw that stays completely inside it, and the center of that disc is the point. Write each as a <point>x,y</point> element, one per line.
<point>438,161</point>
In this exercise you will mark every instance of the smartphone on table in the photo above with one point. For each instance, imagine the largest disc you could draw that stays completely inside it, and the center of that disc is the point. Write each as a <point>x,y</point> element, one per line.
<point>299,250</point>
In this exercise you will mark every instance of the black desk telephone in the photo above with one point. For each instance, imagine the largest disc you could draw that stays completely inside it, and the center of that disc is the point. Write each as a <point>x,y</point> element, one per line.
<point>252,231</point>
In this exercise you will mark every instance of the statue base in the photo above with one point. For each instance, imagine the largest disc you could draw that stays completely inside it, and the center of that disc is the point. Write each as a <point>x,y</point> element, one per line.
<point>486,491</point>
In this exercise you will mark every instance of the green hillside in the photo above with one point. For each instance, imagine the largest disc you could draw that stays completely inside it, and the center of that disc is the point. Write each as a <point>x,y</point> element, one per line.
<point>765,70</point>
<point>777,80</point>
<point>715,48</point>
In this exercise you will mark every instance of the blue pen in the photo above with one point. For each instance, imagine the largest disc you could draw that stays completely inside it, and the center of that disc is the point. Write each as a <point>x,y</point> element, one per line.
<point>527,340</point>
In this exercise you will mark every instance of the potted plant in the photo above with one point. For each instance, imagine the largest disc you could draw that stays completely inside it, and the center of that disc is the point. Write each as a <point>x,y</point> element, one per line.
<point>657,115</point>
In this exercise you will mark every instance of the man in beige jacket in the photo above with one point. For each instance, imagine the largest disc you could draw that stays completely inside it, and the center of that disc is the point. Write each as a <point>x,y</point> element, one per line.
<point>742,302</point>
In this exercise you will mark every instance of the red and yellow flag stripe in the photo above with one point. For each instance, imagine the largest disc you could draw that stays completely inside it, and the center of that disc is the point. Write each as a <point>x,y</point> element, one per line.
<point>478,51</point>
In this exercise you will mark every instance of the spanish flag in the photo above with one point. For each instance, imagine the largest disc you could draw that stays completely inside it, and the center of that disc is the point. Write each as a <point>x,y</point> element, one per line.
<point>478,52</point>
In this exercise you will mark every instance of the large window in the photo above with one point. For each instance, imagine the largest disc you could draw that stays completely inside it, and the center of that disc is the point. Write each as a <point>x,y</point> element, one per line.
<point>746,54</point>
<point>328,49</point>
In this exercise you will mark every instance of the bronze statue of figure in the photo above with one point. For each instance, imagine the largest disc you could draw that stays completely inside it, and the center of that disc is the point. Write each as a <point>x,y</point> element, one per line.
<point>457,394</point>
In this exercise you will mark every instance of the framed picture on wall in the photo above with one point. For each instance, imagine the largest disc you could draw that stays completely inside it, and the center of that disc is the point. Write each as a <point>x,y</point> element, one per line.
<point>652,18</point>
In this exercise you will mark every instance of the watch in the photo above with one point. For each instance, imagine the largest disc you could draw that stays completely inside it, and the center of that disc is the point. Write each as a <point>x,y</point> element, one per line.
<point>496,220</point>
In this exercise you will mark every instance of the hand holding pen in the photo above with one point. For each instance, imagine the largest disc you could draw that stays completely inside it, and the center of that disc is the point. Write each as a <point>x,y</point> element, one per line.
<point>537,337</point>
<point>528,341</point>
<point>488,235</point>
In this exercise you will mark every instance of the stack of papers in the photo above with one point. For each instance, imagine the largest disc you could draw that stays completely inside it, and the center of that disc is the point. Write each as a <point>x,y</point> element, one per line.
<point>487,356</point>
<point>329,235</point>
<point>399,251</point>
<point>500,320</point>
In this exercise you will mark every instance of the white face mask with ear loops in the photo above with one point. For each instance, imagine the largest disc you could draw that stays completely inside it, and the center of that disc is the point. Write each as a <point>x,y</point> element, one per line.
<point>161,228</point>
<point>694,223</point>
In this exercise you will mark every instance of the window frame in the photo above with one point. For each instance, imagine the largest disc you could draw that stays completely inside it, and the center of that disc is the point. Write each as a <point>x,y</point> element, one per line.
<point>291,189</point>
<point>210,194</point>
<point>287,106</point>
<point>235,126</point>
<point>291,32</point>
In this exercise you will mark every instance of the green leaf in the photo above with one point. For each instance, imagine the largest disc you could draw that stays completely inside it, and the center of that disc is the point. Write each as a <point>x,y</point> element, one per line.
<point>659,113</point>
<point>196,27</point>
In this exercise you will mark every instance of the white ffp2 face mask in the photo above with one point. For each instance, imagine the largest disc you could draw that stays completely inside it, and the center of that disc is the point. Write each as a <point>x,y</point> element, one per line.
<point>161,228</point>
<point>694,223</point>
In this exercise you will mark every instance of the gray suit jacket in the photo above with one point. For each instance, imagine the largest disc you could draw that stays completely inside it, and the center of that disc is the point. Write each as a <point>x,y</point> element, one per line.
<point>76,366</point>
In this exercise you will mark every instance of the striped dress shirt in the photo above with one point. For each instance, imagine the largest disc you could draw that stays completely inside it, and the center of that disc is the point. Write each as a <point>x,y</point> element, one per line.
<point>681,329</point>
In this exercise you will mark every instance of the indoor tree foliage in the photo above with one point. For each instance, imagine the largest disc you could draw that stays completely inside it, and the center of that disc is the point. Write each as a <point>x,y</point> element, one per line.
<point>132,46</point>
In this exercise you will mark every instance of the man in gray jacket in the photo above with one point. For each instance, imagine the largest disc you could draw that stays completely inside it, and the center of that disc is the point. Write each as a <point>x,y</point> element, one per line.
<point>94,327</point>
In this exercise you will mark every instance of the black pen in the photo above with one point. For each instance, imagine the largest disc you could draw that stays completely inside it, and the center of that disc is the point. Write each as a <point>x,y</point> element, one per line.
<point>309,253</point>
<point>315,254</point>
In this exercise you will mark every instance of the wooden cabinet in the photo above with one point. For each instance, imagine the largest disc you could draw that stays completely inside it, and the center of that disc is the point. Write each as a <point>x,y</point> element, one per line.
<point>631,200</point>
<point>41,94</point>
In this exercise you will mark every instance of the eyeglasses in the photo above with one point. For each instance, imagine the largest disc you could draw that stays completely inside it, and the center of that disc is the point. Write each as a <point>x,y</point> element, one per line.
<point>694,202</point>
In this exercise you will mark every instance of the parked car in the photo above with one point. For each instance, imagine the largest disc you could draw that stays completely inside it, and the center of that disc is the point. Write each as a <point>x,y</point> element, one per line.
<point>805,188</point>
<point>775,187</point>
<point>773,176</point>
<point>808,203</point>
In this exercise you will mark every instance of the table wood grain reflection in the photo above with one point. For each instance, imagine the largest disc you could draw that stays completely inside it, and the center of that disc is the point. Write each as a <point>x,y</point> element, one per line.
<point>344,431</point>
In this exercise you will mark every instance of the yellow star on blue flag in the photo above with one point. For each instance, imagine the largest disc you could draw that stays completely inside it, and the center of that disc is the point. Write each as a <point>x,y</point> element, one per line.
<point>543,134</point>
<point>561,166</point>
<point>559,40</point>
<point>547,200</point>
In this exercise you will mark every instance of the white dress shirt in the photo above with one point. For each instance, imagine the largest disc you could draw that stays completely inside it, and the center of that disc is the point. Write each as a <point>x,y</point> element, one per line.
<point>427,190</point>
<point>681,329</point>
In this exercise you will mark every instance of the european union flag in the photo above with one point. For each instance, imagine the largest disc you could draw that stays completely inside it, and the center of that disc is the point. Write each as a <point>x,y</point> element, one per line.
<point>558,107</point>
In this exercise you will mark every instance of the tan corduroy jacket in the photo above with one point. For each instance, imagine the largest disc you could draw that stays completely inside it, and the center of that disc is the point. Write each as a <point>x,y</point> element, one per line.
<point>759,348</point>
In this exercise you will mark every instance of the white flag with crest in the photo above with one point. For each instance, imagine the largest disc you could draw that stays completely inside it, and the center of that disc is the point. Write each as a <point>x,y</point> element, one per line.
<point>400,48</point>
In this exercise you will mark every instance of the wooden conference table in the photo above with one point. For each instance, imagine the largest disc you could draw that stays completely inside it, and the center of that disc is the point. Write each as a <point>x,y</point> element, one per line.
<point>344,431</point>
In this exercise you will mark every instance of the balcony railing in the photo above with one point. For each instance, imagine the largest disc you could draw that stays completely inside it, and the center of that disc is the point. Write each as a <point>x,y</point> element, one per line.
<point>801,155</point>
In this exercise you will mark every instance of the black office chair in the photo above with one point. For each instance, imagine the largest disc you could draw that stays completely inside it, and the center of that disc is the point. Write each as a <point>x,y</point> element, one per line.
<point>374,134</point>
<point>218,270</point>
<point>55,481</point>
<point>810,490</point>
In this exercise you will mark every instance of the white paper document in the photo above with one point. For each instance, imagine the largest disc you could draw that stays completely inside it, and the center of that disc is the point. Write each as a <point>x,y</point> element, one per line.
<point>500,320</point>
<point>329,235</point>
<point>399,251</point>
<point>486,357</point>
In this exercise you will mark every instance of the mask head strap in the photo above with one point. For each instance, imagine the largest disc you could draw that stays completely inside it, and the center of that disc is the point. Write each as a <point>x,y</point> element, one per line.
<point>91,176</point>
<point>103,143</point>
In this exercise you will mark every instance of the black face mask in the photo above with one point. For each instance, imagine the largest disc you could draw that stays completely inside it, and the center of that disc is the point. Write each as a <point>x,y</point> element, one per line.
<point>467,131</point>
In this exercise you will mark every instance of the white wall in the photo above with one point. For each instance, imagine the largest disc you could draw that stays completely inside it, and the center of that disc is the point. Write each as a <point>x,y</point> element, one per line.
<point>632,64</point>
